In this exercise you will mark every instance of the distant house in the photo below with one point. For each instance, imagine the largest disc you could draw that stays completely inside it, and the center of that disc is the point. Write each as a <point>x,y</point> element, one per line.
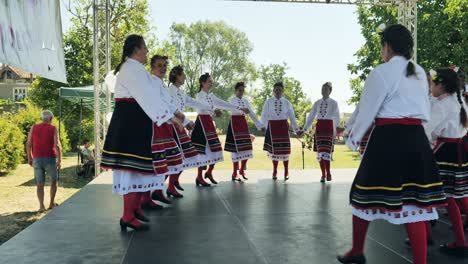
<point>14,83</point>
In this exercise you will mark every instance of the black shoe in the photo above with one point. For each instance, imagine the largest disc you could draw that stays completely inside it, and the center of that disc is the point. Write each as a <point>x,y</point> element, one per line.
<point>147,206</point>
<point>178,187</point>
<point>141,217</point>
<point>200,183</point>
<point>352,259</point>
<point>286,177</point>
<point>455,251</point>
<point>175,195</point>
<point>243,175</point>
<point>274,177</point>
<point>322,179</point>
<point>235,178</point>
<point>430,242</point>
<point>210,177</point>
<point>123,226</point>
<point>155,196</point>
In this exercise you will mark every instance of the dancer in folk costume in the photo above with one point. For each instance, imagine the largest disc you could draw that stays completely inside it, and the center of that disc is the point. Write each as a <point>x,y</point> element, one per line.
<point>204,136</point>
<point>238,140</point>
<point>397,179</point>
<point>327,114</point>
<point>275,114</point>
<point>182,100</point>
<point>173,153</point>
<point>131,148</point>
<point>365,138</point>
<point>446,129</point>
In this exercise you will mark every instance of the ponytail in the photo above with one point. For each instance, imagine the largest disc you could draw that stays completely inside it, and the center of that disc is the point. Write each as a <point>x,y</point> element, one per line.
<point>463,116</point>
<point>410,69</point>
<point>117,69</point>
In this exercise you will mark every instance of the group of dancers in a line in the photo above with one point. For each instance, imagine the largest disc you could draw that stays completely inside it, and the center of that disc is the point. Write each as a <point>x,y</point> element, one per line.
<point>400,179</point>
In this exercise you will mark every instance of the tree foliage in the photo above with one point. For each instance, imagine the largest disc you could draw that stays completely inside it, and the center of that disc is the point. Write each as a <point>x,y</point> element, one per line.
<point>126,16</point>
<point>213,47</point>
<point>442,37</point>
<point>293,91</point>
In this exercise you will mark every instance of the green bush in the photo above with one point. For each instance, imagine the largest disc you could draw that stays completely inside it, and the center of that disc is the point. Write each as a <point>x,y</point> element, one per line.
<point>11,140</point>
<point>25,118</point>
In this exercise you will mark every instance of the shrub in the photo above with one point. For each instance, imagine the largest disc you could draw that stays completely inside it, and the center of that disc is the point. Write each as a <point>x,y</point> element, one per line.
<point>11,140</point>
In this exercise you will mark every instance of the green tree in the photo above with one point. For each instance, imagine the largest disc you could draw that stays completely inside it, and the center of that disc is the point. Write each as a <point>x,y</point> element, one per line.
<point>293,91</point>
<point>213,47</point>
<point>442,37</point>
<point>126,16</point>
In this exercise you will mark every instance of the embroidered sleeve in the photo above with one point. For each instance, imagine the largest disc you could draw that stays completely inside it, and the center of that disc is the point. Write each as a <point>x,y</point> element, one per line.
<point>311,117</point>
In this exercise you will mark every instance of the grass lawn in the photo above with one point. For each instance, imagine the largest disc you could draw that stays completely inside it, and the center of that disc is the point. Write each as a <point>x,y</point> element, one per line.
<point>19,205</point>
<point>342,158</point>
<point>18,200</point>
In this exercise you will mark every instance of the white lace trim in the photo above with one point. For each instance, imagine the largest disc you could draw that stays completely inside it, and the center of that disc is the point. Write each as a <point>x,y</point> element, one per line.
<point>194,162</point>
<point>210,157</point>
<point>408,214</point>
<point>324,155</point>
<point>278,157</point>
<point>128,182</point>
<point>242,155</point>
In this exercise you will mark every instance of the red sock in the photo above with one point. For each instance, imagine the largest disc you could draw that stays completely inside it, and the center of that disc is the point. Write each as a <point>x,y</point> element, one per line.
<point>243,165</point>
<point>455,218</point>
<point>129,205</point>
<point>235,167</point>
<point>172,181</point>
<point>145,197</point>
<point>327,166</point>
<point>360,227</point>
<point>417,236</point>
<point>428,230</point>
<point>200,173</point>
<point>210,169</point>
<point>286,167</point>
<point>322,167</point>
<point>464,206</point>
<point>275,167</point>
<point>137,203</point>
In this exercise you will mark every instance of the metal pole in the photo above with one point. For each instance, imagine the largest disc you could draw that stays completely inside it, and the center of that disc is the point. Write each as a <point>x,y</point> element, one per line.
<point>97,121</point>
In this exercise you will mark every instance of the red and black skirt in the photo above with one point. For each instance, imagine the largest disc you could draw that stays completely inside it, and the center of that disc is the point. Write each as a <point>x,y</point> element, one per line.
<point>204,133</point>
<point>168,157</point>
<point>452,159</point>
<point>364,141</point>
<point>323,139</point>
<point>238,135</point>
<point>185,143</point>
<point>398,169</point>
<point>277,142</point>
<point>129,141</point>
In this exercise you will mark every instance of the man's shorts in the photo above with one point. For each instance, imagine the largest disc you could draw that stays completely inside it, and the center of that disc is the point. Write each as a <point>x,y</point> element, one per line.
<point>43,166</point>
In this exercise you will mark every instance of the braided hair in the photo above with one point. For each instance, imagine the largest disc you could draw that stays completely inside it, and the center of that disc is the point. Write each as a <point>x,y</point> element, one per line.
<point>449,80</point>
<point>131,42</point>
<point>399,38</point>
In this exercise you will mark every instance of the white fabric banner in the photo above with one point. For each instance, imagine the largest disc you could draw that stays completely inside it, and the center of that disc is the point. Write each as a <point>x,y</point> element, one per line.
<point>31,37</point>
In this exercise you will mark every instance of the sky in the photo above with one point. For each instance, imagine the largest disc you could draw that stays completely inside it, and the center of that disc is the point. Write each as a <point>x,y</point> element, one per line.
<point>317,41</point>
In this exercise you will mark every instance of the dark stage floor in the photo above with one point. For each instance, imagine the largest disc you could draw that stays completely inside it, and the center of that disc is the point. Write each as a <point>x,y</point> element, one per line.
<point>258,221</point>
